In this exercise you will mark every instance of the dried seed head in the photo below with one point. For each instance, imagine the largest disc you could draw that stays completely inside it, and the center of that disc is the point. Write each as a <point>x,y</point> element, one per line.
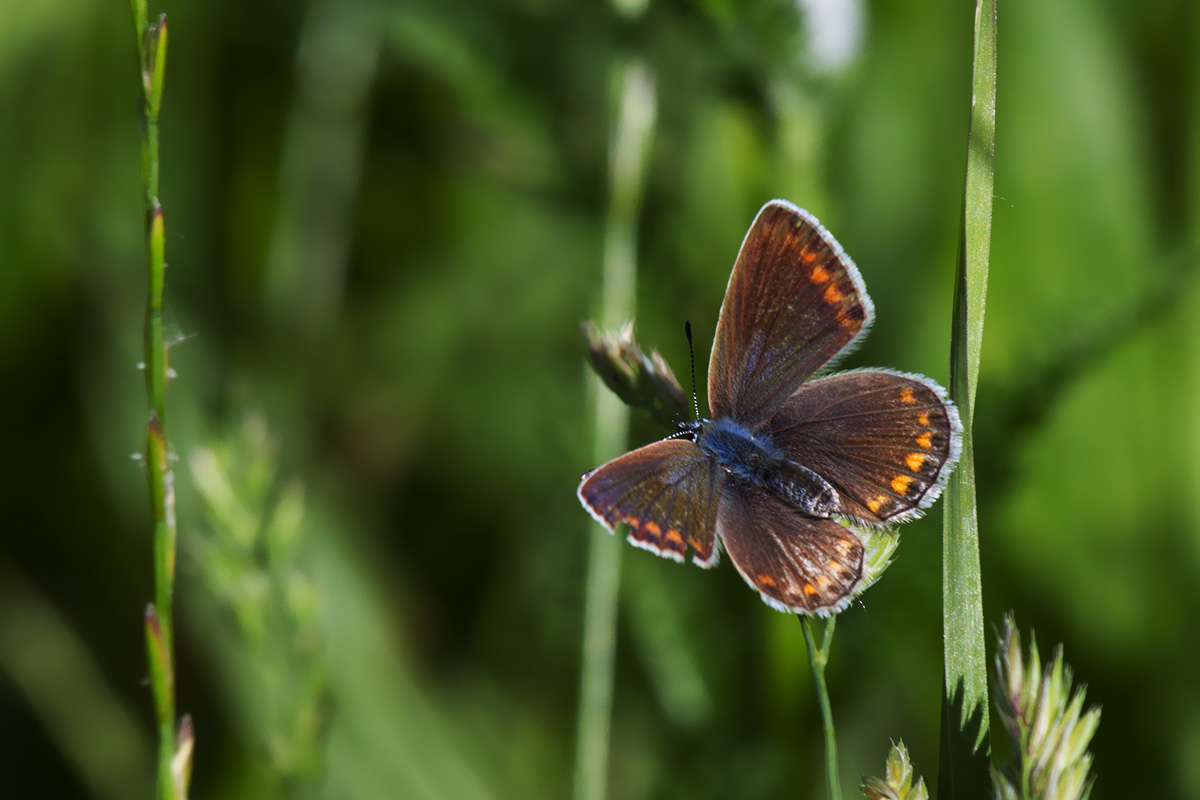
<point>640,381</point>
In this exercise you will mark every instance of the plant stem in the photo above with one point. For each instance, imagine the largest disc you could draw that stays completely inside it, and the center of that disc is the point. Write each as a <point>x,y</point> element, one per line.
<point>628,149</point>
<point>172,771</point>
<point>817,659</point>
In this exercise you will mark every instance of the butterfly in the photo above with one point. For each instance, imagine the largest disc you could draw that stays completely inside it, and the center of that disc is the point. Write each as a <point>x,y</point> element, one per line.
<point>790,470</point>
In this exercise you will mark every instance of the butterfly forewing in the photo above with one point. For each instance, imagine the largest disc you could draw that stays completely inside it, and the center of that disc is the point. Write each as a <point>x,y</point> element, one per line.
<point>794,302</point>
<point>797,563</point>
<point>886,441</point>
<point>666,493</point>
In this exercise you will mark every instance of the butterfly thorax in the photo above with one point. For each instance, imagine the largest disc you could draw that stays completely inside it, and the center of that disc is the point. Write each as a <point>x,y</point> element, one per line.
<point>753,457</point>
<point>738,449</point>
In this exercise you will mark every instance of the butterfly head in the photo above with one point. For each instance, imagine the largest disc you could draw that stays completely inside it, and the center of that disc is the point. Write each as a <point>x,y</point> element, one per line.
<point>689,430</point>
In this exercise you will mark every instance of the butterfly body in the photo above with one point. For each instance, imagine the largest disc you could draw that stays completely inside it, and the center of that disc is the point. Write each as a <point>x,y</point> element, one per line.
<point>786,462</point>
<point>753,457</point>
<point>737,449</point>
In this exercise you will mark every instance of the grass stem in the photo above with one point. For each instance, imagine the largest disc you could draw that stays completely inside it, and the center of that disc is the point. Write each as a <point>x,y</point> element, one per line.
<point>174,753</point>
<point>628,151</point>
<point>818,658</point>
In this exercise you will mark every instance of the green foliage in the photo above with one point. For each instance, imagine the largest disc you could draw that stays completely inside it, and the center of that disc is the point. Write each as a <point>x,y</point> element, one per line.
<point>383,239</point>
<point>263,605</point>
<point>106,745</point>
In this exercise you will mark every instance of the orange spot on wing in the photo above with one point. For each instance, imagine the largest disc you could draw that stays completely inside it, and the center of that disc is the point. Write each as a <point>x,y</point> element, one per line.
<point>766,580</point>
<point>694,542</point>
<point>818,274</point>
<point>874,504</point>
<point>809,589</point>
<point>673,536</point>
<point>632,522</point>
<point>925,441</point>
<point>914,461</point>
<point>822,581</point>
<point>808,256</point>
<point>923,419</point>
<point>906,396</point>
<point>900,484</point>
<point>653,529</point>
<point>832,295</point>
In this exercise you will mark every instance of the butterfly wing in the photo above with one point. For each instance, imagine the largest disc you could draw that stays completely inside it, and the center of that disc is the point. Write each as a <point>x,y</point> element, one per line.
<point>797,563</point>
<point>794,302</point>
<point>886,441</point>
<point>666,493</point>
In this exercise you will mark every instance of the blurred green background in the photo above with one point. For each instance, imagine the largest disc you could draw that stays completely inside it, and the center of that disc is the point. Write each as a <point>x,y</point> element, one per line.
<point>385,222</point>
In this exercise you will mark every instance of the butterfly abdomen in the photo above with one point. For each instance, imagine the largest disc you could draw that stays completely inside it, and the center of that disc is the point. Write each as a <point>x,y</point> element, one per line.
<point>753,457</point>
<point>803,489</point>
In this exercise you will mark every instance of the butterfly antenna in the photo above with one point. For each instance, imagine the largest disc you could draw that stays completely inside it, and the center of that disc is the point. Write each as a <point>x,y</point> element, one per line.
<point>687,329</point>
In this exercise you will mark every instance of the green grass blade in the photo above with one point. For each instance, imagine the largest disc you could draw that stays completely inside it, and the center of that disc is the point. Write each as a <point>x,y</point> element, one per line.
<point>963,767</point>
<point>976,241</point>
<point>47,663</point>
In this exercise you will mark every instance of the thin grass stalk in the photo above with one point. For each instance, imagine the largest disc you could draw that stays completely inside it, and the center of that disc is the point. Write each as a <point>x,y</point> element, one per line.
<point>818,658</point>
<point>174,749</point>
<point>321,167</point>
<point>51,666</point>
<point>628,150</point>
<point>965,701</point>
<point>1190,332</point>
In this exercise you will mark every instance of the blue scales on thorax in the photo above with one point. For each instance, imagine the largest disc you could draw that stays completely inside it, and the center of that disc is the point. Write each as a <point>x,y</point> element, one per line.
<point>753,457</point>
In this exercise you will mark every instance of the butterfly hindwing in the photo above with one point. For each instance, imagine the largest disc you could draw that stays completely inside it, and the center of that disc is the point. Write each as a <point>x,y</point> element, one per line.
<point>666,493</point>
<point>885,441</point>
<point>794,302</point>
<point>798,563</point>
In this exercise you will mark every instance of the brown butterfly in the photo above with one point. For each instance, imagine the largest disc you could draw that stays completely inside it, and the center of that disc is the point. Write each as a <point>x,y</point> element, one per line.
<point>785,466</point>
